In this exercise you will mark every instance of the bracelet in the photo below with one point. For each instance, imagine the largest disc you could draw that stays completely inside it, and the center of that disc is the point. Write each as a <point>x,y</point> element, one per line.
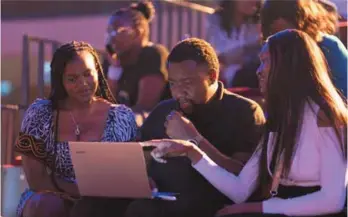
<point>196,140</point>
<point>114,72</point>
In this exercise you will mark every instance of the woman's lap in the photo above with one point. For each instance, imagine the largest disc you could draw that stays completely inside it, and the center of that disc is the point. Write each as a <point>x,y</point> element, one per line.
<point>50,204</point>
<point>46,204</point>
<point>98,206</point>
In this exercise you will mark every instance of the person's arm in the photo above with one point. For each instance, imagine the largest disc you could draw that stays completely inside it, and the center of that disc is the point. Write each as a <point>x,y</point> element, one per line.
<point>237,188</point>
<point>233,164</point>
<point>36,175</point>
<point>152,66</point>
<point>35,170</point>
<point>250,129</point>
<point>245,140</point>
<point>39,180</point>
<point>112,71</point>
<point>150,91</point>
<point>331,197</point>
<point>337,58</point>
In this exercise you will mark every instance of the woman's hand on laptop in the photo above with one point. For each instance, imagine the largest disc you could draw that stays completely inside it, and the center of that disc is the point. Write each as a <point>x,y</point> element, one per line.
<point>175,148</point>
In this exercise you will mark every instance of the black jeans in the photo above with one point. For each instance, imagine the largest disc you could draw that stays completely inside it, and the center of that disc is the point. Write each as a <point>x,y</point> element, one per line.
<point>279,215</point>
<point>100,206</point>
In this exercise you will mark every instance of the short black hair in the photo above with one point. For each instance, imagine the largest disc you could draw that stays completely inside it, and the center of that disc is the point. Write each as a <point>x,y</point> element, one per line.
<point>197,50</point>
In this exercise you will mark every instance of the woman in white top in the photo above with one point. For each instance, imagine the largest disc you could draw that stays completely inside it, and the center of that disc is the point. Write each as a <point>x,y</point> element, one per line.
<point>301,164</point>
<point>234,32</point>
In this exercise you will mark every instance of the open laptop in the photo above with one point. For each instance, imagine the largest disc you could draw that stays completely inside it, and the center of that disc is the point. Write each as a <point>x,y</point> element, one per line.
<point>112,170</point>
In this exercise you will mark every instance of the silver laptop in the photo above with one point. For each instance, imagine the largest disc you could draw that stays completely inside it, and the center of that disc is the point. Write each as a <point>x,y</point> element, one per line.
<point>110,169</point>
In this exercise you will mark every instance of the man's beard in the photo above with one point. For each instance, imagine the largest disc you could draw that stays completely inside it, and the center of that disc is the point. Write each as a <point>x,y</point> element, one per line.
<point>185,106</point>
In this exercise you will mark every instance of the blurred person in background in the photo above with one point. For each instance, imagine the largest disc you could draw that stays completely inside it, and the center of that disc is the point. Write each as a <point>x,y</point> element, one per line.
<point>234,32</point>
<point>135,67</point>
<point>316,18</point>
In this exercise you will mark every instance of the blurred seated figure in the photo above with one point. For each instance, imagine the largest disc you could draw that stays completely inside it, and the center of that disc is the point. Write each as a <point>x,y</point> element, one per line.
<point>320,23</point>
<point>234,32</point>
<point>135,67</point>
<point>79,108</point>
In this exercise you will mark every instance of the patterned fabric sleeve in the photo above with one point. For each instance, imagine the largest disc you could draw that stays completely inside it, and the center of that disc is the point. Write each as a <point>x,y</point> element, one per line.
<point>34,133</point>
<point>124,127</point>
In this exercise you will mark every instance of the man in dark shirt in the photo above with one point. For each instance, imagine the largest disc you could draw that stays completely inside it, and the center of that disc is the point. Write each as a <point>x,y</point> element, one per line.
<point>232,123</point>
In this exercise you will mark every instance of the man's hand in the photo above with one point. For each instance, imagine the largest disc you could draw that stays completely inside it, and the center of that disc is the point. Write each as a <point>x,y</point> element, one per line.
<point>179,127</point>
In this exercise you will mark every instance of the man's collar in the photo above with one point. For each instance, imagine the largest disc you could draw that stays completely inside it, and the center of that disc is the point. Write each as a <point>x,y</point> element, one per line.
<point>211,106</point>
<point>219,94</point>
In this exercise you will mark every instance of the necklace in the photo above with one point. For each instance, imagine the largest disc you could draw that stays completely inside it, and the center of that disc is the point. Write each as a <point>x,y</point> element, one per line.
<point>77,129</point>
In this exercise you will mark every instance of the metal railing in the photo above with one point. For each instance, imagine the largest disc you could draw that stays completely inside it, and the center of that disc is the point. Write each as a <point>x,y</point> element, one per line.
<point>10,119</point>
<point>25,83</point>
<point>174,21</point>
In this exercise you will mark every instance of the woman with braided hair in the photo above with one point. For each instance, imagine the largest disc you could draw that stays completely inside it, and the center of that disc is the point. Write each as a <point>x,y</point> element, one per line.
<point>79,108</point>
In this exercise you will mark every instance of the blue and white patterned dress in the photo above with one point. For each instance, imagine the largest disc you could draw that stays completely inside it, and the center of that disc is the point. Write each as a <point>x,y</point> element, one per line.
<point>38,123</point>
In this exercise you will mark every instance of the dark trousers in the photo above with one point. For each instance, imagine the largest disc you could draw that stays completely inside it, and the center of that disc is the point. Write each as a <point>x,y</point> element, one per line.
<point>286,192</point>
<point>279,215</point>
<point>158,208</point>
<point>183,207</point>
<point>98,206</point>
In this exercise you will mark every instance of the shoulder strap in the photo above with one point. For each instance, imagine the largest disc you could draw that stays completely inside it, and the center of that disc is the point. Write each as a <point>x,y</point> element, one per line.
<point>55,129</point>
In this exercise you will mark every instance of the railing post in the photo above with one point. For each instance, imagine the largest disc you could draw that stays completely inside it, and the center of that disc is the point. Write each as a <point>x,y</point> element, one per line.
<point>199,24</point>
<point>40,76</point>
<point>189,17</point>
<point>169,27</point>
<point>25,71</point>
<point>159,22</point>
<point>180,24</point>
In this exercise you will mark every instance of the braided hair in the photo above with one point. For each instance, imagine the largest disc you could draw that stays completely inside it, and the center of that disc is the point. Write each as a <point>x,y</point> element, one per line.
<point>61,57</point>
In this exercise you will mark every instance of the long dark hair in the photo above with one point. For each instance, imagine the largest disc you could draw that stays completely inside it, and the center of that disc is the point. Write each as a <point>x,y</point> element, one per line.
<point>298,75</point>
<point>64,55</point>
<point>225,13</point>
<point>309,16</point>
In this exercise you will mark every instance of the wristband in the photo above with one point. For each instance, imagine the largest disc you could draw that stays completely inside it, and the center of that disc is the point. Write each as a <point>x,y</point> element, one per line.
<point>114,72</point>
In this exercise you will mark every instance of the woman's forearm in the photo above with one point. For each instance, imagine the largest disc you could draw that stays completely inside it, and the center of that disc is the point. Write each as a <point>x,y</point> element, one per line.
<point>39,179</point>
<point>194,154</point>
